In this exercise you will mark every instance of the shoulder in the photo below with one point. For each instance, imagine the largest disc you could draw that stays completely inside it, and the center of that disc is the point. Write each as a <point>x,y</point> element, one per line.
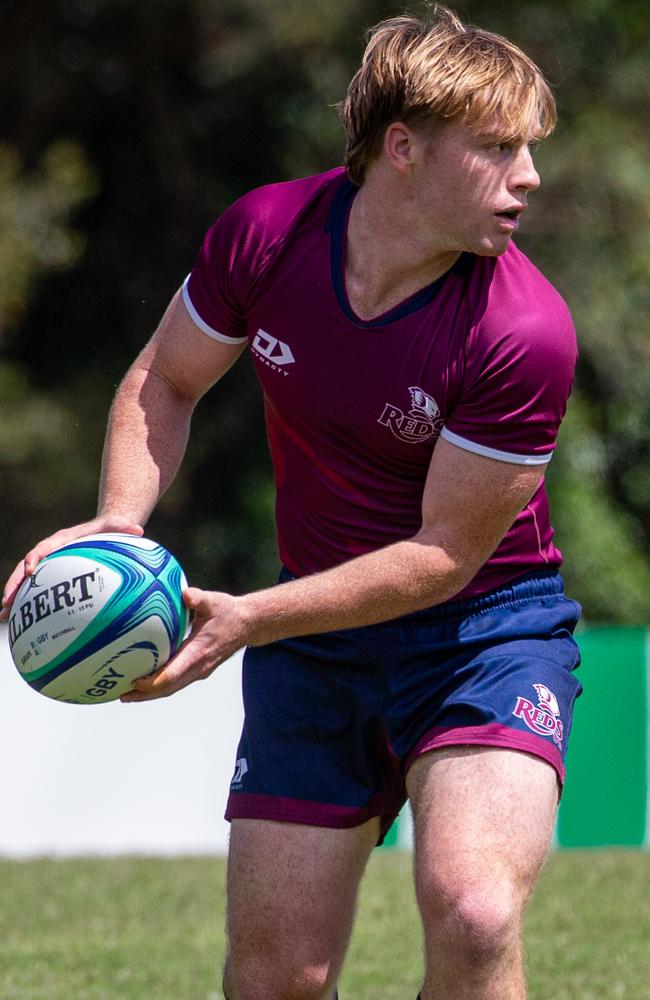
<point>522,302</point>
<point>244,240</point>
<point>521,331</point>
<point>275,211</point>
<point>519,361</point>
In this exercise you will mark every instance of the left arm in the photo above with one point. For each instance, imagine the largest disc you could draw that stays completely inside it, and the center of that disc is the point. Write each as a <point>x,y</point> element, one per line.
<point>469,502</point>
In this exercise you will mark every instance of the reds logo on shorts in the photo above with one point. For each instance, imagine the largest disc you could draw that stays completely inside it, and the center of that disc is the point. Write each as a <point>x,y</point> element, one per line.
<point>543,718</point>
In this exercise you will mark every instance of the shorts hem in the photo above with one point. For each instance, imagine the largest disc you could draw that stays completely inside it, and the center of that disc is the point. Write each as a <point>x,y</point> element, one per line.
<point>282,809</point>
<point>491,735</point>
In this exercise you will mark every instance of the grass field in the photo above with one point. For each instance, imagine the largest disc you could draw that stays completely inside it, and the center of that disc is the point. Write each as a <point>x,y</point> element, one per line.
<point>151,929</point>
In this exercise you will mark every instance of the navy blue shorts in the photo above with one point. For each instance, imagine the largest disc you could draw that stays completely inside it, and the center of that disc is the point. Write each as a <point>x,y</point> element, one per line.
<point>334,721</point>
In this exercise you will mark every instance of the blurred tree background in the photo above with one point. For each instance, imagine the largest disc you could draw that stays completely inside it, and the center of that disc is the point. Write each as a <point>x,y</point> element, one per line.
<point>125,128</point>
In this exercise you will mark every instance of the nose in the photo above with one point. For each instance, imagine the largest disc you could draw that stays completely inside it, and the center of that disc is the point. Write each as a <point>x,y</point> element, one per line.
<point>524,175</point>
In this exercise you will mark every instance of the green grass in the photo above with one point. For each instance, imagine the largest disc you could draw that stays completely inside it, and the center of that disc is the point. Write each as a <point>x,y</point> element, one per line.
<point>142,929</point>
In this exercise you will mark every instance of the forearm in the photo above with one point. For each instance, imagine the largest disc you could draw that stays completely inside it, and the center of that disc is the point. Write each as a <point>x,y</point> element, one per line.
<point>145,442</point>
<point>404,577</point>
<point>462,525</point>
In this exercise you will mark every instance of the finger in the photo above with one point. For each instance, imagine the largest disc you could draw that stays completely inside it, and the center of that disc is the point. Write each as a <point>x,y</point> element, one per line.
<point>155,682</point>
<point>161,684</point>
<point>181,663</point>
<point>11,586</point>
<point>194,598</point>
<point>117,522</point>
<point>178,667</point>
<point>172,677</point>
<point>122,525</point>
<point>135,696</point>
<point>185,659</point>
<point>24,569</point>
<point>56,541</point>
<point>98,525</point>
<point>27,566</point>
<point>5,610</point>
<point>33,558</point>
<point>163,692</point>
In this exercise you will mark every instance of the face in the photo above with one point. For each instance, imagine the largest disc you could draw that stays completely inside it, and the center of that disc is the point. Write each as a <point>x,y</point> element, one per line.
<point>468,186</point>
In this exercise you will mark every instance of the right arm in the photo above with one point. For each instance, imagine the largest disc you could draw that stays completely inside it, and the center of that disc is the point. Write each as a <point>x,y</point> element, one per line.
<point>147,431</point>
<point>150,418</point>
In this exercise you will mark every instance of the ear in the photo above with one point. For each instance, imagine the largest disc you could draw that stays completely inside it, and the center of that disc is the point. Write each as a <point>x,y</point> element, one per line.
<point>400,147</point>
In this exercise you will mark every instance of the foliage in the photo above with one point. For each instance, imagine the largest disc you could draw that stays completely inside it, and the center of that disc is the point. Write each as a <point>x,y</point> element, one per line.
<point>128,127</point>
<point>33,211</point>
<point>35,238</point>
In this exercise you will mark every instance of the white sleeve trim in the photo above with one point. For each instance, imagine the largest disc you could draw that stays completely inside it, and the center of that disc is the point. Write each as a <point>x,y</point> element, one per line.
<point>501,456</point>
<point>202,325</point>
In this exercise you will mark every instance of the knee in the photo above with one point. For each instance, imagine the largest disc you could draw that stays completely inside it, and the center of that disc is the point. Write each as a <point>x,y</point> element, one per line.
<point>484,924</point>
<point>258,979</point>
<point>477,921</point>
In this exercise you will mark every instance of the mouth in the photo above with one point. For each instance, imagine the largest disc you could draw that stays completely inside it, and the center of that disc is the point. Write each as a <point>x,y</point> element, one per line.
<point>508,219</point>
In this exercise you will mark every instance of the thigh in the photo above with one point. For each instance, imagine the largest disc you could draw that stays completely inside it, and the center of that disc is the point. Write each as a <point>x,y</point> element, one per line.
<point>291,893</point>
<point>483,821</point>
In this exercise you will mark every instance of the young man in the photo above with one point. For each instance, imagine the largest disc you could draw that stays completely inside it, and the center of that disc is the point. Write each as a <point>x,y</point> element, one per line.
<point>415,369</point>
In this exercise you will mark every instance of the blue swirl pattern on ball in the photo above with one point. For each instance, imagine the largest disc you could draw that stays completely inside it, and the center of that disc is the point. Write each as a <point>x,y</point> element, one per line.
<point>151,581</point>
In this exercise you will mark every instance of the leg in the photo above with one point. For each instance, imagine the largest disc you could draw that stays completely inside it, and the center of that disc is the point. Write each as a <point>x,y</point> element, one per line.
<point>291,899</point>
<point>483,822</point>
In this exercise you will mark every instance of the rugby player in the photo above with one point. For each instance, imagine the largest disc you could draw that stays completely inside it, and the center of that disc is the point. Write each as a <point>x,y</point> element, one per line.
<point>415,367</point>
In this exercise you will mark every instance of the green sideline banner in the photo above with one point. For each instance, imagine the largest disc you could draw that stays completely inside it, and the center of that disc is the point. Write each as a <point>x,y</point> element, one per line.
<point>605,799</point>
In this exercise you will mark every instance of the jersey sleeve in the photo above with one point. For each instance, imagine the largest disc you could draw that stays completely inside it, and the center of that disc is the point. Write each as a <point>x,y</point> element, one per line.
<point>216,291</point>
<point>518,375</point>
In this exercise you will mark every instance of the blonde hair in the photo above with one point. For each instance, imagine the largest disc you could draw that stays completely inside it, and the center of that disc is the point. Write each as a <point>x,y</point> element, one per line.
<point>426,72</point>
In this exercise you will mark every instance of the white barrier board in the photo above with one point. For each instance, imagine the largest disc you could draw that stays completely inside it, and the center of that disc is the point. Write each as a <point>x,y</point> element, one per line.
<point>148,778</point>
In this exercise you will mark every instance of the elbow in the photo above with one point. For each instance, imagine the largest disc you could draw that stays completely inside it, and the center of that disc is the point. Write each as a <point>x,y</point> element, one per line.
<point>451,566</point>
<point>459,573</point>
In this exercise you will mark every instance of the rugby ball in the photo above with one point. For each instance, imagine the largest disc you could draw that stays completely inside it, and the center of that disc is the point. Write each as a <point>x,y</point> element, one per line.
<point>95,615</point>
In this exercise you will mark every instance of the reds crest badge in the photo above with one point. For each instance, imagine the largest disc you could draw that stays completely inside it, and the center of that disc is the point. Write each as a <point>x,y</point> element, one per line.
<point>420,423</point>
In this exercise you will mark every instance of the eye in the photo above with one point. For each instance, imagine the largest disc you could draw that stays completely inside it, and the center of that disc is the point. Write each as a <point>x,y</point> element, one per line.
<point>500,145</point>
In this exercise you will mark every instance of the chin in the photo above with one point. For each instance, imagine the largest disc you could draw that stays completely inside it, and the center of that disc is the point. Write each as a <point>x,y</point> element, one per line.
<point>489,248</point>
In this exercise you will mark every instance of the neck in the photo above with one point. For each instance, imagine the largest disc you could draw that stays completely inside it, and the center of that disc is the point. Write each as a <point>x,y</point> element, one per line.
<point>390,255</point>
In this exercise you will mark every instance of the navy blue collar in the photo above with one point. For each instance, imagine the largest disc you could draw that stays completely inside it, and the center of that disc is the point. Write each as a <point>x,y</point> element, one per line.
<point>337,225</point>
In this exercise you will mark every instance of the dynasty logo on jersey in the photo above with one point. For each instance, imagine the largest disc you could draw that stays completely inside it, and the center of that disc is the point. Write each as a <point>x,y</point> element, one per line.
<point>273,352</point>
<point>421,422</point>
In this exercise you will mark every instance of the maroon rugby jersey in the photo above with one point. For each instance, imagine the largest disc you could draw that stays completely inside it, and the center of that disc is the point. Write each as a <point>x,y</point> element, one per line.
<point>484,356</point>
